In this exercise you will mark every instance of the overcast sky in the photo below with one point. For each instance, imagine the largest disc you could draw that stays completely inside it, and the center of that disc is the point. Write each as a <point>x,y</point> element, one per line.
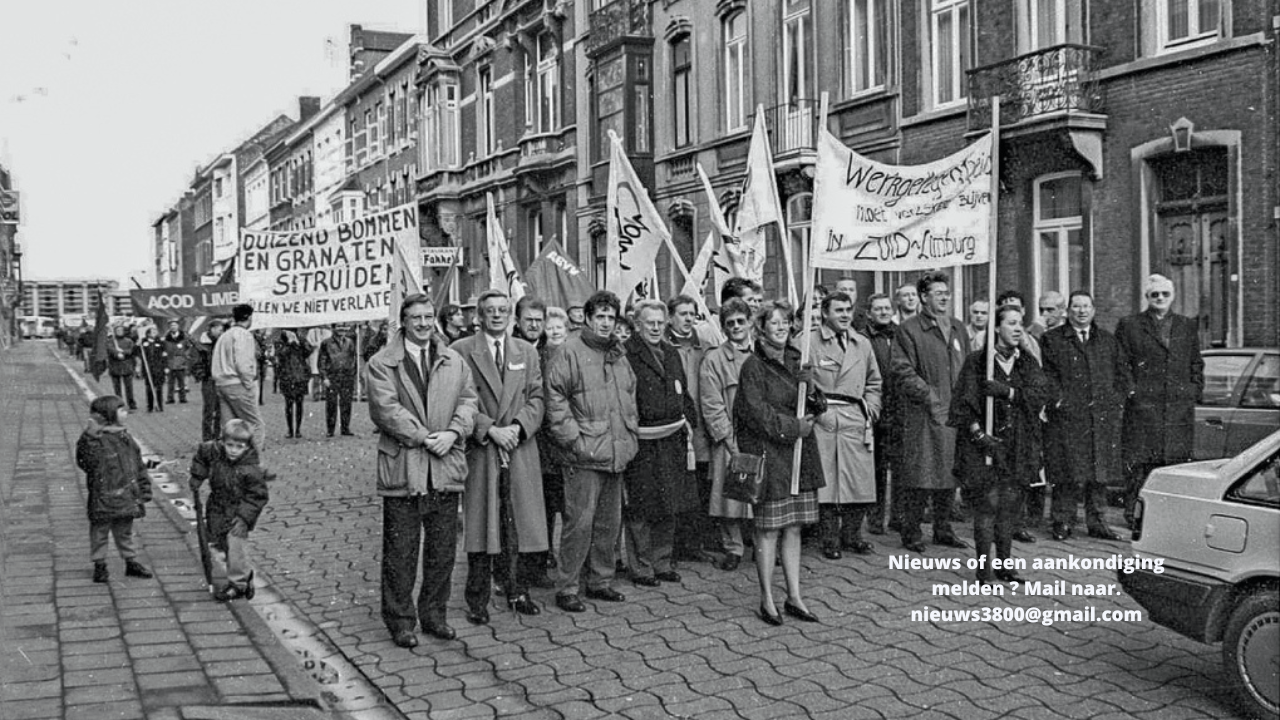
<point>107,108</point>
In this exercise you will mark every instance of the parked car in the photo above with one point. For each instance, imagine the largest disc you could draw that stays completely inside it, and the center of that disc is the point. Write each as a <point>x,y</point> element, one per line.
<point>1241,400</point>
<point>1215,524</point>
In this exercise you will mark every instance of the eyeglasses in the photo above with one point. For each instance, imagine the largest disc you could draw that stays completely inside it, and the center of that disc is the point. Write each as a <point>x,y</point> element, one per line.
<point>1160,293</point>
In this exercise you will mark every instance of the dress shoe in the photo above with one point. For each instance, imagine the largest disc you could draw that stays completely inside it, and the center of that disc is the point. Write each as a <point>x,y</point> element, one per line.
<point>100,572</point>
<point>570,603</point>
<point>642,581</point>
<point>1024,536</point>
<point>605,593</point>
<point>1060,531</point>
<point>860,547</point>
<point>348,433</point>
<point>797,613</point>
<point>831,553</point>
<point>1103,533</point>
<point>440,630</point>
<point>133,568</point>
<point>950,541</point>
<point>730,562</point>
<point>916,546</point>
<point>670,576</point>
<point>774,619</point>
<point>404,639</point>
<point>524,605</point>
<point>1009,576</point>
<point>477,616</point>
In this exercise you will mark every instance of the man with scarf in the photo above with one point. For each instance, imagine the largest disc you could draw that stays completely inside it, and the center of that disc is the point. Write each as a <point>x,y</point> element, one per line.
<point>591,414</point>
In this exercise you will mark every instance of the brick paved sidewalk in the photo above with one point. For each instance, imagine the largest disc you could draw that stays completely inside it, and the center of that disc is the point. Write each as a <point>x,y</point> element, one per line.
<point>131,648</point>
<point>696,649</point>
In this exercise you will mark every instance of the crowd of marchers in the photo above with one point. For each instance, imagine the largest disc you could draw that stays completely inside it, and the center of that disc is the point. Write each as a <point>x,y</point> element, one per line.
<point>623,423</point>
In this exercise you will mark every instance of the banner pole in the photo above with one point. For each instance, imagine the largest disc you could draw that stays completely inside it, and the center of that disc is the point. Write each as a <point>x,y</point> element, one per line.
<point>991,264</point>
<point>806,337</point>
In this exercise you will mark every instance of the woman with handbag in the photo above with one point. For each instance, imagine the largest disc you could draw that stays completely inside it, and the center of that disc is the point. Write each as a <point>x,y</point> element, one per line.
<point>765,424</point>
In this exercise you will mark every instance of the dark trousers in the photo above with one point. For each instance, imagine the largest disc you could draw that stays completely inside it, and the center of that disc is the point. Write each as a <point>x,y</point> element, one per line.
<point>122,386</point>
<point>840,524</point>
<point>293,412</point>
<point>177,384</point>
<point>426,526</point>
<point>155,392</point>
<point>996,507</point>
<point>337,400</point>
<point>210,412</point>
<point>553,501</point>
<point>1066,498</point>
<point>510,570</point>
<point>1033,507</point>
<point>913,503</point>
<point>876,517</point>
<point>695,532</point>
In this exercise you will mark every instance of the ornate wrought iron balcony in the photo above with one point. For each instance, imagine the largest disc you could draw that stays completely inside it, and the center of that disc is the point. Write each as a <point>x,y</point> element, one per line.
<point>618,19</point>
<point>1052,80</point>
<point>792,126</point>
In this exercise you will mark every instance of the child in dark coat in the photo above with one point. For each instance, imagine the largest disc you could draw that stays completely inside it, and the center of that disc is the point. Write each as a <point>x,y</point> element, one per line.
<point>119,486</point>
<point>237,495</point>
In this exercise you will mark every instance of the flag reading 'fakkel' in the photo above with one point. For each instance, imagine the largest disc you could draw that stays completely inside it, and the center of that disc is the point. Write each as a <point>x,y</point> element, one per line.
<point>872,216</point>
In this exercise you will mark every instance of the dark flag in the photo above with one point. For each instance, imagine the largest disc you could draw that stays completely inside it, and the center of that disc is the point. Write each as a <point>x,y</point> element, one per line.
<point>100,331</point>
<point>556,279</point>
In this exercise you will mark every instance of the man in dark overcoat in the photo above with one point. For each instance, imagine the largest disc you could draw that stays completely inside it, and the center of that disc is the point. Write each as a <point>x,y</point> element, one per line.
<point>1084,367</point>
<point>659,482</point>
<point>928,351</point>
<point>1166,377</point>
<point>504,517</point>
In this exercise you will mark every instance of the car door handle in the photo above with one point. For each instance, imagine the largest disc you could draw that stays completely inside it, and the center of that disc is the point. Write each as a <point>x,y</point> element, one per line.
<point>1215,421</point>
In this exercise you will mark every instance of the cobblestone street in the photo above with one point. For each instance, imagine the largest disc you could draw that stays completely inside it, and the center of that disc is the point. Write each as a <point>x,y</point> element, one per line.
<point>695,649</point>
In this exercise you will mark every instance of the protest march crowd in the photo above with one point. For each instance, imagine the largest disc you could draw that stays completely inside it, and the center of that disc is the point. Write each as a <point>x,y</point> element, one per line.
<point>655,445</point>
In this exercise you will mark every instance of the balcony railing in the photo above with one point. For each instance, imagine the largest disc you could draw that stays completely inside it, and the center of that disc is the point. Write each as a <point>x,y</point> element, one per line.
<point>792,126</point>
<point>1052,80</point>
<point>620,18</point>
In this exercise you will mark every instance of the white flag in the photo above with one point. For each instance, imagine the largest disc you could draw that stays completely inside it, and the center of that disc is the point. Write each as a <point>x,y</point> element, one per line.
<point>404,282</point>
<point>635,229</point>
<point>760,208</point>
<point>503,275</point>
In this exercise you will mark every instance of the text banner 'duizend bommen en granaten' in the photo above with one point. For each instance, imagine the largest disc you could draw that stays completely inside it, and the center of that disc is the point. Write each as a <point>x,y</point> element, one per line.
<point>871,216</point>
<point>334,274</point>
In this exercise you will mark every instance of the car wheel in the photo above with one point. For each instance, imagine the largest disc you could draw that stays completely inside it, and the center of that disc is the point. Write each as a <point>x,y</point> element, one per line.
<point>1251,653</point>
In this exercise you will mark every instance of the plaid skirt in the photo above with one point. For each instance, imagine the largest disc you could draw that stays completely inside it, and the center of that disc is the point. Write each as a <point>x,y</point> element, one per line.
<point>799,509</point>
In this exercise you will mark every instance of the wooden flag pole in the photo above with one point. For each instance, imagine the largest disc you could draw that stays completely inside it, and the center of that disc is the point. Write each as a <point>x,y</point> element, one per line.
<point>806,338</point>
<point>992,251</point>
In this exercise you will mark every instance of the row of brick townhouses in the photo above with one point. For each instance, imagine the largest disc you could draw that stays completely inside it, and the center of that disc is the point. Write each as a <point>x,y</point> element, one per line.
<point>1137,136</point>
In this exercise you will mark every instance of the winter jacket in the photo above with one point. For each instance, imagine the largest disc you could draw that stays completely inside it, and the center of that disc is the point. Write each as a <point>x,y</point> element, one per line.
<point>235,358</point>
<point>175,349</point>
<point>405,416</point>
<point>337,357</point>
<point>116,476</point>
<point>200,359</point>
<point>293,368</point>
<point>151,350</point>
<point>1165,382</point>
<point>925,367</point>
<point>591,405</point>
<point>1015,422</point>
<point>237,488</point>
<point>122,356</point>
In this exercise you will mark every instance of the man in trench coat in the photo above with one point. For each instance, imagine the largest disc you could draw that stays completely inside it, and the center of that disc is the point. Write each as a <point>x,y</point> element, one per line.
<point>1166,377</point>
<point>1084,366</point>
<point>504,517</point>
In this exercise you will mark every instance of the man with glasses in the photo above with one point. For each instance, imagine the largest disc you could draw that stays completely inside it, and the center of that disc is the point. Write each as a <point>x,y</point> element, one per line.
<point>928,351</point>
<point>1165,376</point>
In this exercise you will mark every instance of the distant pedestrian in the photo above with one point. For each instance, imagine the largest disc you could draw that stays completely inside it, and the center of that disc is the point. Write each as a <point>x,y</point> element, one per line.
<point>154,361</point>
<point>201,364</point>
<point>1165,377</point>
<point>338,364</point>
<point>119,486</point>
<point>422,399</point>
<point>122,356</point>
<point>176,347</point>
<point>294,374</point>
<point>235,373</point>
<point>237,495</point>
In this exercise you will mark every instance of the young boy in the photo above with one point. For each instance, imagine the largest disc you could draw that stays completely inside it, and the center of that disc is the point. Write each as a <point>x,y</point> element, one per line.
<point>237,494</point>
<point>119,486</point>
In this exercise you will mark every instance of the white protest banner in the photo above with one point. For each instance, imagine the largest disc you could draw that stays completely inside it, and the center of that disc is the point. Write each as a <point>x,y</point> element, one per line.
<point>331,274</point>
<point>635,229</point>
<point>758,209</point>
<point>872,216</point>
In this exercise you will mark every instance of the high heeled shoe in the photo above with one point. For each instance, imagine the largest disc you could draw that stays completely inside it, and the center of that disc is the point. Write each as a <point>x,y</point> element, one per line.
<point>770,618</point>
